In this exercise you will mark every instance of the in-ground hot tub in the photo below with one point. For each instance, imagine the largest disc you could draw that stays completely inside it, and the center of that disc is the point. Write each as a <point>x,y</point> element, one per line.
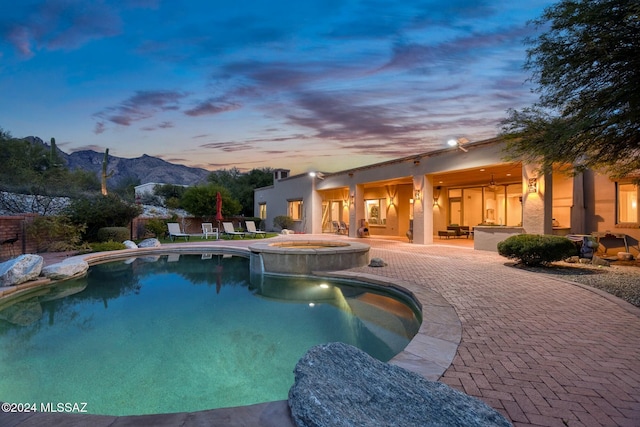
<point>306,256</point>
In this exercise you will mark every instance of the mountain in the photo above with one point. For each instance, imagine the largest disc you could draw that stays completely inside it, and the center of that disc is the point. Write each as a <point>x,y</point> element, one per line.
<point>145,169</point>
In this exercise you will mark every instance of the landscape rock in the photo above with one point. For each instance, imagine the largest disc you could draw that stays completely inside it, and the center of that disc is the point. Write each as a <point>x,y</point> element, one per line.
<point>129,244</point>
<point>339,385</point>
<point>65,269</point>
<point>20,269</point>
<point>377,262</point>
<point>625,256</point>
<point>596,260</point>
<point>150,243</point>
<point>286,232</point>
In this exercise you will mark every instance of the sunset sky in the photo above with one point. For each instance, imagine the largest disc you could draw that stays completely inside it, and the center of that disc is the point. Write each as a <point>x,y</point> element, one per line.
<point>301,84</point>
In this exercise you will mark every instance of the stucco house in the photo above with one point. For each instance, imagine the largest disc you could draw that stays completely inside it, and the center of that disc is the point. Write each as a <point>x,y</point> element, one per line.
<point>469,185</point>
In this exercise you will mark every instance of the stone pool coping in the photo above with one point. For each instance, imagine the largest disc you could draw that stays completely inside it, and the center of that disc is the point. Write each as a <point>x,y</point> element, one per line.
<point>429,353</point>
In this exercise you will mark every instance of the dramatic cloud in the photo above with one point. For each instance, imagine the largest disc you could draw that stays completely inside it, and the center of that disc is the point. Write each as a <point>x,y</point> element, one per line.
<point>212,106</point>
<point>142,105</point>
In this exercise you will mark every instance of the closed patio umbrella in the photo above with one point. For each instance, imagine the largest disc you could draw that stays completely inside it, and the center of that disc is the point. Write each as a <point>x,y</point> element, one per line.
<point>219,216</point>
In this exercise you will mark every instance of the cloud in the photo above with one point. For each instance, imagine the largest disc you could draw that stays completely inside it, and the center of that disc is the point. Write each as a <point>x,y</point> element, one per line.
<point>58,24</point>
<point>212,106</point>
<point>229,146</point>
<point>142,105</point>
<point>163,125</point>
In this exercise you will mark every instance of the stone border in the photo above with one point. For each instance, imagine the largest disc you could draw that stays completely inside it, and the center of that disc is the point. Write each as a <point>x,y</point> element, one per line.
<point>430,353</point>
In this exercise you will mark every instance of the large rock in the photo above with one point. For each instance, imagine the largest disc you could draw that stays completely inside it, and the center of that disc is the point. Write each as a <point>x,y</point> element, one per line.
<point>65,269</point>
<point>20,269</point>
<point>150,243</point>
<point>339,385</point>
<point>129,244</point>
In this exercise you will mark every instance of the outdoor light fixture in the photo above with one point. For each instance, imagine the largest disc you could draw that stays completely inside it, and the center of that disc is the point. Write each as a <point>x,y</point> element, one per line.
<point>458,143</point>
<point>318,175</point>
<point>492,184</point>
<point>353,198</point>
<point>533,185</point>
<point>416,194</point>
<point>436,195</point>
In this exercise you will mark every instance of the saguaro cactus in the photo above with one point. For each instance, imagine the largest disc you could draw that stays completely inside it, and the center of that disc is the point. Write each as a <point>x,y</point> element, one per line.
<point>105,163</point>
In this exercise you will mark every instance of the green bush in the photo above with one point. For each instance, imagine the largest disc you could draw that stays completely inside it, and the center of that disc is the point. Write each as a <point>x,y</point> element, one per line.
<point>282,222</point>
<point>54,234</point>
<point>533,249</point>
<point>107,246</point>
<point>101,211</point>
<point>115,234</point>
<point>156,226</point>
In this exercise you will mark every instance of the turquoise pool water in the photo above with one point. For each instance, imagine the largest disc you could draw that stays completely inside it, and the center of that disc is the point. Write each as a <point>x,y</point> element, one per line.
<point>183,333</point>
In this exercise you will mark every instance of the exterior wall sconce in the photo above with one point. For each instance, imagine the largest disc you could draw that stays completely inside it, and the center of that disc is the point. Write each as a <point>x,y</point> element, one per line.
<point>533,185</point>
<point>436,195</point>
<point>352,198</point>
<point>416,194</point>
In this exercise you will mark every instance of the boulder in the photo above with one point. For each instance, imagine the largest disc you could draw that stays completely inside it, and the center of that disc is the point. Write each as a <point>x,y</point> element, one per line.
<point>596,260</point>
<point>377,262</point>
<point>20,269</point>
<point>150,243</point>
<point>339,385</point>
<point>65,269</point>
<point>625,256</point>
<point>129,244</point>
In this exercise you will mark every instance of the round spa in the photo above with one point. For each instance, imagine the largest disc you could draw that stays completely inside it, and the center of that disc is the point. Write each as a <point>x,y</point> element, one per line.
<point>306,256</point>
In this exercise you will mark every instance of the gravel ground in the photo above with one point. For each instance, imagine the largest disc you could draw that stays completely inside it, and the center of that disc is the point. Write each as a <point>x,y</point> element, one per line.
<point>621,280</point>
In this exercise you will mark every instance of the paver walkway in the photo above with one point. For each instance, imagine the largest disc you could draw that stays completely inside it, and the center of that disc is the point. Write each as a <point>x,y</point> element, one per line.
<point>542,351</point>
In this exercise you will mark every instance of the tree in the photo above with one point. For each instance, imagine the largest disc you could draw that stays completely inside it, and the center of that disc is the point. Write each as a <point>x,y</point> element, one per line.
<point>586,64</point>
<point>241,185</point>
<point>201,201</point>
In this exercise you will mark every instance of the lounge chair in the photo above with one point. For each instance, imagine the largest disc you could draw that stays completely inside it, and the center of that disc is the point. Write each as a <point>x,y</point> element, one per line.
<point>229,230</point>
<point>174,231</point>
<point>209,230</point>
<point>344,228</point>
<point>251,229</point>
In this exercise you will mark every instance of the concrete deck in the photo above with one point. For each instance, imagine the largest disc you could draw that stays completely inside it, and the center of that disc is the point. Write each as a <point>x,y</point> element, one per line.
<point>542,351</point>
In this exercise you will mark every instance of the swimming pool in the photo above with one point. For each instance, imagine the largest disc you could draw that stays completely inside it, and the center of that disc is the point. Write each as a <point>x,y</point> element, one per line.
<point>176,333</point>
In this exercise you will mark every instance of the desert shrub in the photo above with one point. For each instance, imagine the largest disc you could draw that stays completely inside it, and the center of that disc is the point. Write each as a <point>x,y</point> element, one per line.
<point>54,234</point>
<point>101,211</point>
<point>533,249</point>
<point>156,226</point>
<point>107,246</point>
<point>115,234</point>
<point>283,221</point>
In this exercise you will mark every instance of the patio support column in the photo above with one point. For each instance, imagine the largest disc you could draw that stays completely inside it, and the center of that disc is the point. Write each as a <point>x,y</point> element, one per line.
<point>422,212</point>
<point>356,212</point>
<point>578,213</point>
<point>537,201</point>
<point>313,213</point>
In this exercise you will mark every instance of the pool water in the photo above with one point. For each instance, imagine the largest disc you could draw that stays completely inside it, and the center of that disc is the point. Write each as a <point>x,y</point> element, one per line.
<point>181,333</point>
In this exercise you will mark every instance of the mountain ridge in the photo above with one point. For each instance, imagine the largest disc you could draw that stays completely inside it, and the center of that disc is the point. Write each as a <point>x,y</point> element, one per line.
<point>145,168</point>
